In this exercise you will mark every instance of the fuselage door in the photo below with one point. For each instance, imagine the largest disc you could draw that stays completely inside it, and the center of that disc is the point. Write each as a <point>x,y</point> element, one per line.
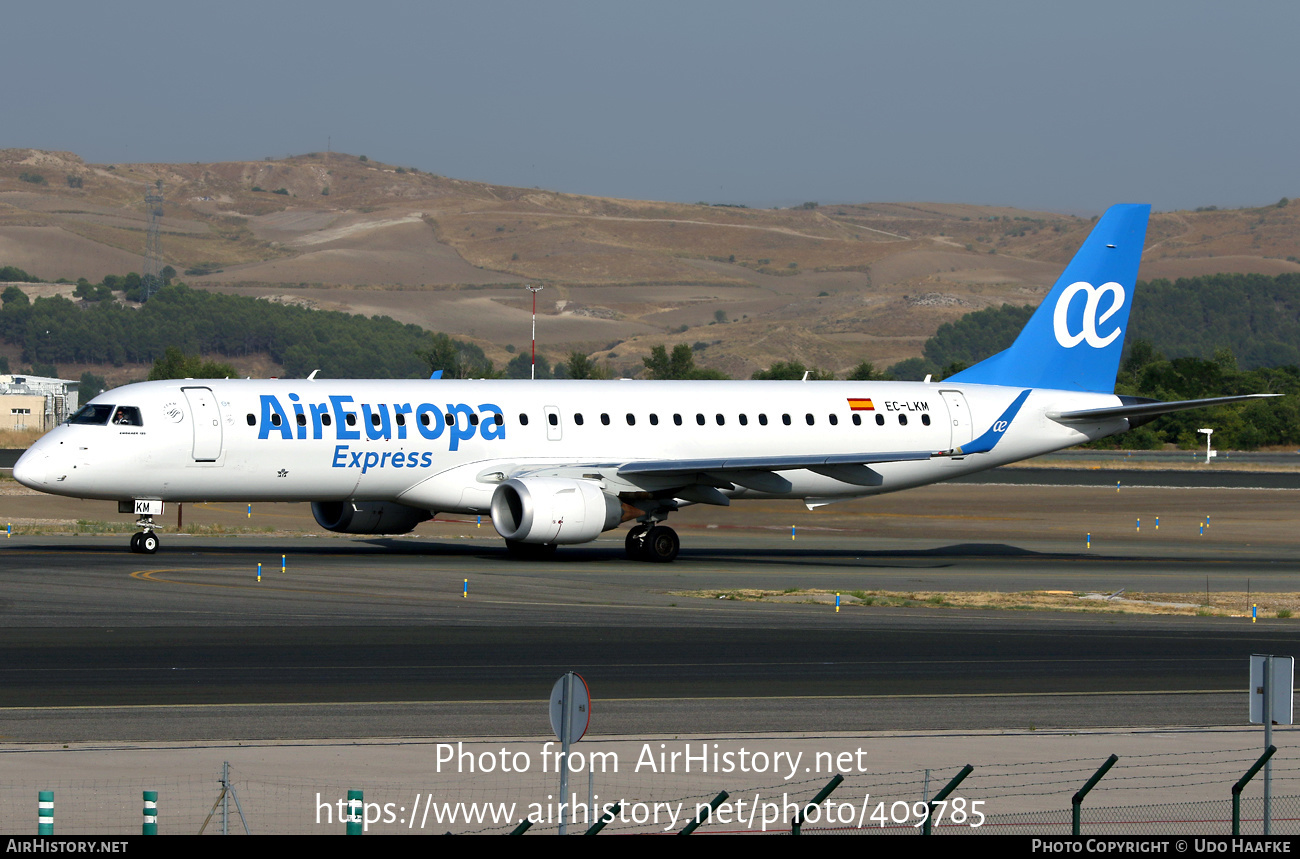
<point>958,417</point>
<point>207,423</point>
<point>554,428</point>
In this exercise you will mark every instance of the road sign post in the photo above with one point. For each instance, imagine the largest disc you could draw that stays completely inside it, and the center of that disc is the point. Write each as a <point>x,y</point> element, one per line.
<point>1272,687</point>
<point>570,716</point>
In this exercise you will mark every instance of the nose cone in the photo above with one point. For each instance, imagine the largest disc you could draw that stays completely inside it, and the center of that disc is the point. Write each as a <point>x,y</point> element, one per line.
<point>32,468</point>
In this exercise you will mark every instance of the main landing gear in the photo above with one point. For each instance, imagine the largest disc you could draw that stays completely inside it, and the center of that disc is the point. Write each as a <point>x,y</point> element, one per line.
<point>649,541</point>
<point>146,541</point>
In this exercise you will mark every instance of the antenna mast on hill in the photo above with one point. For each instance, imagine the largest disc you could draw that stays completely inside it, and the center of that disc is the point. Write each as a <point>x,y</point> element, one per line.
<point>151,279</point>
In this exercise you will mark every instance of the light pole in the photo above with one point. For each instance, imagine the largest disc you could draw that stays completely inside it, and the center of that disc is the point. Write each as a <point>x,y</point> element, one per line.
<point>532,373</point>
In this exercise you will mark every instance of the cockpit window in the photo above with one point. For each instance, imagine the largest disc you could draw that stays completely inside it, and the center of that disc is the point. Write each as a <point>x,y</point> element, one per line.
<point>95,414</point>
<point>127,416</point>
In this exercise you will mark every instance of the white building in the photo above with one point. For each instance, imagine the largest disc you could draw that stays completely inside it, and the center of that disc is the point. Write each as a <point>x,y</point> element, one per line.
<point>35,402</point>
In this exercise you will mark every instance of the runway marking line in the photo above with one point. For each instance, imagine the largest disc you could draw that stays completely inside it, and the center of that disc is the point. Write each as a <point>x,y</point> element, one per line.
<point>149,576</point>
<point>533,702</point>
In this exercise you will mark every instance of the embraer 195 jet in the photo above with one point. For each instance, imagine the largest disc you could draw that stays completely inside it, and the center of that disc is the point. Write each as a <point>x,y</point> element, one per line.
<point>557,462</point>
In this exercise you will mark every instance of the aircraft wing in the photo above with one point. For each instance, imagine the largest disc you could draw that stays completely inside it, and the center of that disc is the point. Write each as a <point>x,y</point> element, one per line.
<point>760,472</point>
<point>765,463</point>
<point>1147,408</point>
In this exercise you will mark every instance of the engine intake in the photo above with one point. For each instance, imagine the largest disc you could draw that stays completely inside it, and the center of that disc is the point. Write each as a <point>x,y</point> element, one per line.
<point>553,510</point>
<point>367,517</point>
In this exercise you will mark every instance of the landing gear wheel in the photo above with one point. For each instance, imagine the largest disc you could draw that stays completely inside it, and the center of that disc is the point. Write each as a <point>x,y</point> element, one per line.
<point>135,542</point>
<point>635,542</point>
<point>149,543</point>
<point>661,545</point>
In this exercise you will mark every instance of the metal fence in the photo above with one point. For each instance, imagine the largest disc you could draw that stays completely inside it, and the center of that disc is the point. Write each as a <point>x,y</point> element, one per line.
<point>1017,798</point>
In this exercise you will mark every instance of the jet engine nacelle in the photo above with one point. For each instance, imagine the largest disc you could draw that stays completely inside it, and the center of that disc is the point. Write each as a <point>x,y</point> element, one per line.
<point>553,510</point>
<point>367,517</point>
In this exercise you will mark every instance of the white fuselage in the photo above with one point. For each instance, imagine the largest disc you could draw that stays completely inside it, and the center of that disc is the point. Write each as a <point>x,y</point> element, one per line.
<point>437,445</point>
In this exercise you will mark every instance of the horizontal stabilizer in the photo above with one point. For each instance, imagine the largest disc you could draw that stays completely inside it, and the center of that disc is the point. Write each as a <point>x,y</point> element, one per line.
<point>1147,409</point>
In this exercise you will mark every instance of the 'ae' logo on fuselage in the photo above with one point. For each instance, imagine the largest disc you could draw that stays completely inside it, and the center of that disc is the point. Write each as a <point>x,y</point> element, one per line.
<point>1088,332</point>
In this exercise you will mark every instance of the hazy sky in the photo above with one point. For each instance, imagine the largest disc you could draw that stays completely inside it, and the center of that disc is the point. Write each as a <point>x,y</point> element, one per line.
<point>1068,107</point>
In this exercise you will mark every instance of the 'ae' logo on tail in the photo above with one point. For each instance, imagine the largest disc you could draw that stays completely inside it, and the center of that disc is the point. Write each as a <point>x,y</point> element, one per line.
<point>1088,332</point>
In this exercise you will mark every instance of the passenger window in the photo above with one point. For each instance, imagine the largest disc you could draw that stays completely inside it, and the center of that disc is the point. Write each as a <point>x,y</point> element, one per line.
<point>785,419</point>
<point>699,419</point>
<point>275,420</point>
<point>553,419</point>
<point>654,419</point>
<point>374,419</point>
<point>677,419</point>
<point>499,419</point>
<point>577,418</point>
<point>834,419</point>
<point>744,421</point>
<point>631,419</point>
<point>302,420</point>
<point>809,418</point>
<point>327,420</point>
<point>473,420</point>
<point>252,421</point>
<point>762,419</point>
<point>857,420</point>
<point>880,420</point>
<point>604,419</point>
<point>351,420</point>
<point>449,418</point>
<point>721,420</point>
<point>925,419</point>
<point>902,420</point>
<point>523,420</point>
<point>401,420</point>
<point>424,418</point>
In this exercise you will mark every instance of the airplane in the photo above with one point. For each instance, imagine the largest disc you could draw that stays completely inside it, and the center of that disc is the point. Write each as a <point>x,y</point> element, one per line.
<point>561,462</point>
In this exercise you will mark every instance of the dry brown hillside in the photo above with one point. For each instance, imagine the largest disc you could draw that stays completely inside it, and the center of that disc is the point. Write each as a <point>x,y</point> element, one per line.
<point>829,285</point>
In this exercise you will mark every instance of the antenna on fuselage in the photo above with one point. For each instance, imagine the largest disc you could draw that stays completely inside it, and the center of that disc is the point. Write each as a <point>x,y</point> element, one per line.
<point>313,375</point>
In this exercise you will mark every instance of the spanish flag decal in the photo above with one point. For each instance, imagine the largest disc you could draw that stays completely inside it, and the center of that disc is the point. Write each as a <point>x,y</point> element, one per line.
<point>861,405</point>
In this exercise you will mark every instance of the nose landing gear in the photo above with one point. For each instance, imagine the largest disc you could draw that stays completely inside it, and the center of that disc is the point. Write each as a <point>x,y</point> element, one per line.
<point>145,542</point>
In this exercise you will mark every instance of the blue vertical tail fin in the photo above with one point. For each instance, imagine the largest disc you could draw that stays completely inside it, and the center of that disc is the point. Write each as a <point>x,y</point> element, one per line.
<point>1074,340</point>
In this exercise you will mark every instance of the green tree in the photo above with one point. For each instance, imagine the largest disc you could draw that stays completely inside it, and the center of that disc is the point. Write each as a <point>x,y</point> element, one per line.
<point>579,366</point>
<point>793,371</point>
<point>442,355</point>
<point>91,386</point>
<point>13,274</point>
<point>14,296</point>
<point>679,365</point>
<point>864,372</point>
<point>456,359</point>
<point>175,364</point>
<point>521,367</point>
<point>912,370</point>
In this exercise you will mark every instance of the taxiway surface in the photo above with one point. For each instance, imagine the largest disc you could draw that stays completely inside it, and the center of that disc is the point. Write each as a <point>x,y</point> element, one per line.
<point>373,637</point>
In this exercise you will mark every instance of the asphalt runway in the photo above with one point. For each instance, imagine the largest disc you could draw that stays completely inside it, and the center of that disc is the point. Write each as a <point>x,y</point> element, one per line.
<point>374,637</point>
